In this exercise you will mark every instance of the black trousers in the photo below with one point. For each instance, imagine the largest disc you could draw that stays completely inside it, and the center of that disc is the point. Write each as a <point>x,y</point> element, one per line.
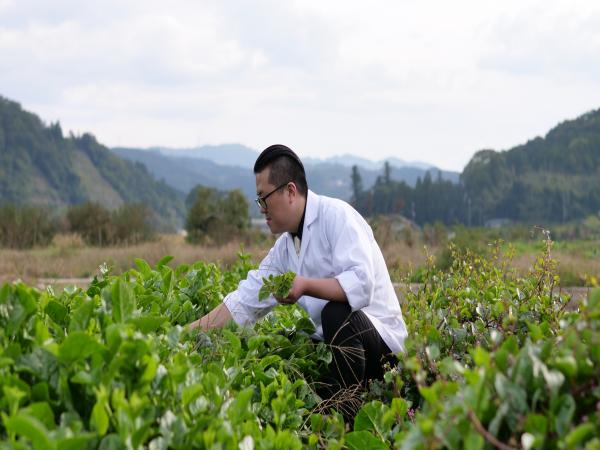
<point>359,352</point>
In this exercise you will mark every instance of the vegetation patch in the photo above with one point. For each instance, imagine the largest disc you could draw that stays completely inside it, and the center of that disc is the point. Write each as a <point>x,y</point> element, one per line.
<point>493,360</point>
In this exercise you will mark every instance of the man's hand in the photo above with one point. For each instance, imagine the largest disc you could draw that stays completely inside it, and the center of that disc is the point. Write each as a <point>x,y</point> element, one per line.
<point>217,318</point>
<point>297,290</point>
<point>325,288</point>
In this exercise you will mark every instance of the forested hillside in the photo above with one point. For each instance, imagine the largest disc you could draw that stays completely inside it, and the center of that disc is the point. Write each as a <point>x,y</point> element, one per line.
<point>328,177</point>
<point>547,180</point>
<point>40,166</point>
<point>554,178</point>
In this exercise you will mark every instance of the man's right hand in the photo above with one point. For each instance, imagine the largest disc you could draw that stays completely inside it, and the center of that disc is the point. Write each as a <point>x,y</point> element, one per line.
<point>217,318</point>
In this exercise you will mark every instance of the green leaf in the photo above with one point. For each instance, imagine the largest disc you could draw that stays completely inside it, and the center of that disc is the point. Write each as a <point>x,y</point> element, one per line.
<point>191,393</point>
<point>163,261</point>
<point>429,394</point>
<point>474,441</point>
<point>81,316</point>
<point>42,412</point>
<point>594,300</point>
<point>263,293</point>
<point>565,414</point>
<point>56,311</point>
<point>399,407</point>
<point>580,434</point>
<point>144,267</point>
<point>481,357</point>
<point>40,392</point>
<point>21,310</point>
<point>112,442</point>
<point>148,324</point>
<point>123,301</point>
<point>278,285</point>
<point>239,410</point>
<point>100,418</point>
<point>433,352</point>
<point>235,344</point>
<point>168,282</point>
<point>567,365</point>
<point>535,332</point>
<point>536,424</point>
<point>32,429</point>
<point>75,443</point>
<point>306,325</point>
<point>78,345</point>
<point>362,440</point>
<point>371,418</point>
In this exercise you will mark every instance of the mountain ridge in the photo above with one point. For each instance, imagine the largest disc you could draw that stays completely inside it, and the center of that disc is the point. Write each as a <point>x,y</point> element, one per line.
<point>328,177</point>
<point>38,165</point>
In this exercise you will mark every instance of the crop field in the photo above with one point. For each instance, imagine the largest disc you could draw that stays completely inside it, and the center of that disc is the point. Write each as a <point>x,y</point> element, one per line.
<point>494,359</point>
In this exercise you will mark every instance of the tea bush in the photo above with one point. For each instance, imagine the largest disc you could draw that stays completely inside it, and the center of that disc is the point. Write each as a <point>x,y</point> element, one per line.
<point>492,361</point>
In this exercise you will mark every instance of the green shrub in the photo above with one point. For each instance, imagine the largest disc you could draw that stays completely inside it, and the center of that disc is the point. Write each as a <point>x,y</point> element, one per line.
<point>129,224</point>
<point>26,226</point>
<point>216,217</point>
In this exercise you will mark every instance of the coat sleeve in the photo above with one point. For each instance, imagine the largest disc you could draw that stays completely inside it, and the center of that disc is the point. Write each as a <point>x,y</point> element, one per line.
<point>352,247</point>
<point>243,303</point>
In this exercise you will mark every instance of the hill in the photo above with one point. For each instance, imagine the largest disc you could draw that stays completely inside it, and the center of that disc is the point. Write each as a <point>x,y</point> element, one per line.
<point>555,178</point>
<point>230,166</point>
<point>225,154</point>
<point>38,165</point>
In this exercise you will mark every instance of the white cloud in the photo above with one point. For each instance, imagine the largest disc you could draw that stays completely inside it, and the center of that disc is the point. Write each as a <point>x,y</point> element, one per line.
<point>429,80</point>
<point>550,41</point>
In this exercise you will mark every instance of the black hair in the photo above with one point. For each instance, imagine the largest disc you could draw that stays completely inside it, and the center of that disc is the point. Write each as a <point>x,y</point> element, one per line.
<point>285,167</point>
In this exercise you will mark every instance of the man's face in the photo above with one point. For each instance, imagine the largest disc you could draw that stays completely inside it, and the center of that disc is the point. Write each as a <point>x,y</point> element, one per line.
<point>278,204</point>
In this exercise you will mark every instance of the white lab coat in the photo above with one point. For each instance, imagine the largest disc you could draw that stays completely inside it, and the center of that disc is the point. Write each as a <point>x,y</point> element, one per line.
<point>336,242</point>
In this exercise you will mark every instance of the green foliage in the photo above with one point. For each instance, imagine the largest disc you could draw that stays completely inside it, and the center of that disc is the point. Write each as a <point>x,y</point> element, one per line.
<point>129,224</point>
<point>26,226</point>
<point>430,200</point>
<point>111,366</point>
<point>357,184</point>
<point>492,360</point>
<point>215,216</point>
<point>277,285</point>
<point>38,165</point>
<point>547,180</point>
<point>465,240</point>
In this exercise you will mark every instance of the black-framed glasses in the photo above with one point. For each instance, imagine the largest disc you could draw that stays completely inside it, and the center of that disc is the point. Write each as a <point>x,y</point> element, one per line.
<point>261,202</point>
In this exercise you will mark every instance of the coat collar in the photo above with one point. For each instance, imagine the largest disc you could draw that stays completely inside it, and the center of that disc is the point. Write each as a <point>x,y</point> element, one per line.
<point>311,213</point>
<point>312,208</point>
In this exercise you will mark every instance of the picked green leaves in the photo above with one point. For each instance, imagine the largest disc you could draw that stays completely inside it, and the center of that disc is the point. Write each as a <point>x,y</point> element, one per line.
<point>277,285</point>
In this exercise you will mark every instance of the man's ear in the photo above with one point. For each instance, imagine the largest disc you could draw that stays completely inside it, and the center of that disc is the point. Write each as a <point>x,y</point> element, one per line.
<point>292,189</point>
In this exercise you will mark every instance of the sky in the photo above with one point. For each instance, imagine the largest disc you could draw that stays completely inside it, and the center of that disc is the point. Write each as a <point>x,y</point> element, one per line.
<point>430,81</point>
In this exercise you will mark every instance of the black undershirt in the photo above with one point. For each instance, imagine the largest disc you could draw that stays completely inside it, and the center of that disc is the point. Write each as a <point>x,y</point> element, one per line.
<point>301,224</point>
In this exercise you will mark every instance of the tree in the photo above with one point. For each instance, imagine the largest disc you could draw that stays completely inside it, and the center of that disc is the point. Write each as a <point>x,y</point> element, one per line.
<point>26,226</point>
<point>357,186</point>
<point>215,216</point>
<point>131,224</point>
<point>92,222</point>
<point>387,172</point>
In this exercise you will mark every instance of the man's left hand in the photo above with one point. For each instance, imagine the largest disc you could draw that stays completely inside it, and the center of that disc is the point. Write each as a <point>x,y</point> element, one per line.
<point>297,290</point>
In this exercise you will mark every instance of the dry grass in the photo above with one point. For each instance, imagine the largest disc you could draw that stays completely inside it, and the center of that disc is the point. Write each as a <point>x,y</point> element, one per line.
<point>67,257</point>
<point>402,259</point>
<point>573,269</point>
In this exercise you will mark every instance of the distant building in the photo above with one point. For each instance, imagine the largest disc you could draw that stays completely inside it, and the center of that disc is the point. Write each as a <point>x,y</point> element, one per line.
<point>497,222</point>
<point>259,223</point>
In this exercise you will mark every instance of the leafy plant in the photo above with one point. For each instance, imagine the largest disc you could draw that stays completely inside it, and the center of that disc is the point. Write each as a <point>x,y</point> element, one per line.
<point>277,285</point>
<point>492,360</point>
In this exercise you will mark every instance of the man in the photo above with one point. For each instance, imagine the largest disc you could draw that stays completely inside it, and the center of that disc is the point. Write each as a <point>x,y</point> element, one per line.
<point>341,277</point>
